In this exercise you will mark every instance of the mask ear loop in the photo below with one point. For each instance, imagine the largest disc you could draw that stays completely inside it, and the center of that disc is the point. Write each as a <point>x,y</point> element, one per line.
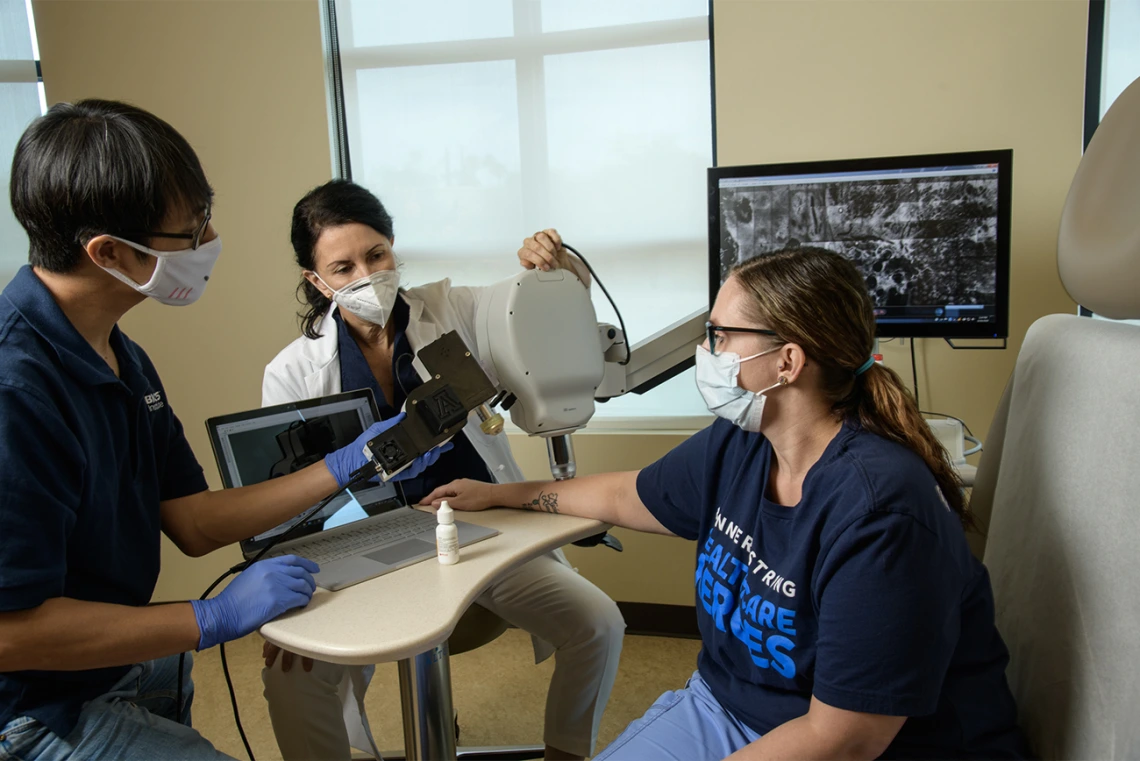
<point>780,381</point>
<point>326,285</point>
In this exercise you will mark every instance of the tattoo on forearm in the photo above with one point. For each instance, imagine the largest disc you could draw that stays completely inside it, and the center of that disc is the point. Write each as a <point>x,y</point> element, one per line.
<point>546,501</point>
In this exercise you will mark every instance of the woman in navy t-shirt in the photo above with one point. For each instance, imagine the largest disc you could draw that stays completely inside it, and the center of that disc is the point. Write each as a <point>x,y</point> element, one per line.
<point>841,612</point>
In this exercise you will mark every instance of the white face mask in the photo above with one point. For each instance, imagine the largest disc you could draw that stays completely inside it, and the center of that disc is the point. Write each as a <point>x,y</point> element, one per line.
<point>717,381</point>
<point>369,298</point>
<point>179,276</point>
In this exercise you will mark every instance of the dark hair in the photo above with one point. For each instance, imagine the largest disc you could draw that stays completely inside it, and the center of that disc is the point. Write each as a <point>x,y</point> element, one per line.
<point>97,167</point>
<point>338,202</point>
<point>817,299</point>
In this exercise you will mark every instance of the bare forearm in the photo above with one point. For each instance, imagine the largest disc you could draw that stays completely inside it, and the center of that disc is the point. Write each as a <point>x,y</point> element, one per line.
<point>235,514</point>
<point>607,497</point>
<point>64,634</point>
<point>204,522</point>
<point>792,740</point>
<point>825,733</point>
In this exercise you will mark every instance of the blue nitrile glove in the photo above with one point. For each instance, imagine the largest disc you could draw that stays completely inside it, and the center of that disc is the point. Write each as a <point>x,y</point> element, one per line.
<point>344,462</point>
<point>259,594</point>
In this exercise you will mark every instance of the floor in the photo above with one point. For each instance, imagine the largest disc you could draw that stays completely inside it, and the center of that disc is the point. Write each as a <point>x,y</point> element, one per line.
<point>499,693</point>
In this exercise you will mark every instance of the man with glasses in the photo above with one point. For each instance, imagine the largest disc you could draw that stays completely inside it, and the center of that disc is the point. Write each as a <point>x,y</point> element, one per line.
<point>94,461</point>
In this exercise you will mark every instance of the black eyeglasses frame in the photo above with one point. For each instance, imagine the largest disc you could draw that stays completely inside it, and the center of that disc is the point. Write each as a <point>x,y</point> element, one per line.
<point>195,237</point>
<point>711,330</point>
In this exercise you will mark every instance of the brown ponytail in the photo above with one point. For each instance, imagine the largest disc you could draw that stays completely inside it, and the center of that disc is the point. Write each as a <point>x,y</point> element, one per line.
<point>885,407</point>
<point>817,299</point>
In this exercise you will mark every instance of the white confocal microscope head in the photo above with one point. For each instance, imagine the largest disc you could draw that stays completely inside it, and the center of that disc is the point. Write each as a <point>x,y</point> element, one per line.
<point>538,339</point>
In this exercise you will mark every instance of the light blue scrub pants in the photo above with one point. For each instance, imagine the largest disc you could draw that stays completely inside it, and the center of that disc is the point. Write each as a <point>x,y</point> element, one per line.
<point>133,722</point>
<point>686,725</point>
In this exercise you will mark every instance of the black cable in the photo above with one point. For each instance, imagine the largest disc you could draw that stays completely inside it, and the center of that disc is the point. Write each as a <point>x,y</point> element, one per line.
<point>601,285</point>
<point>233,701</point>
<point>182,663</point>
<point>362,474</point>
<point>914,372</point>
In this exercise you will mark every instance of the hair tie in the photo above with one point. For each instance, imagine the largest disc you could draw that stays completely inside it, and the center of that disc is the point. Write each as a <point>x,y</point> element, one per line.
<point>865,366</point>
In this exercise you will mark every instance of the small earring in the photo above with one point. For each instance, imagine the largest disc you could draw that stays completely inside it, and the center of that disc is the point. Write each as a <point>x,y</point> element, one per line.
<point>782,380</point>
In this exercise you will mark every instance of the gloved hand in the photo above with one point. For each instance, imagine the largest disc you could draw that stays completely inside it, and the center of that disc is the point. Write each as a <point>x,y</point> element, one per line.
<point>344,462</point>
<point>259,594</point>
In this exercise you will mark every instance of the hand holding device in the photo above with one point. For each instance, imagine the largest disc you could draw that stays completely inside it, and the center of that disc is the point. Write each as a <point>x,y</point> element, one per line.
<point>257,595</point>
<point>345,462</point>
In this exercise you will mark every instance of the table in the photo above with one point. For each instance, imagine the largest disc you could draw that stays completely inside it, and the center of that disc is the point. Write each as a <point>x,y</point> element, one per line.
<point>407,616</point>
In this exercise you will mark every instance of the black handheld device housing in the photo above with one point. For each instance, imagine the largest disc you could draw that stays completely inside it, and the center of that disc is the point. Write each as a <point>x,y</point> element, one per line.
<point>438,409</point>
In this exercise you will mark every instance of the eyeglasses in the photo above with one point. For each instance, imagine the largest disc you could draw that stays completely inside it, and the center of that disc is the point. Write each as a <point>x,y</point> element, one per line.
<point>195,237</point>
<point>711,331</point>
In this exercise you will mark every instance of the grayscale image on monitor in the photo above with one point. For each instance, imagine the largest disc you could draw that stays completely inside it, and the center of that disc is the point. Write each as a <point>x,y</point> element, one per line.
<point>929,233</point>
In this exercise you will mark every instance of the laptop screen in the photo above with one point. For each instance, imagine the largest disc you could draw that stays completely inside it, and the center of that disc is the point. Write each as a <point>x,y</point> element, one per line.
<point>271,442</point>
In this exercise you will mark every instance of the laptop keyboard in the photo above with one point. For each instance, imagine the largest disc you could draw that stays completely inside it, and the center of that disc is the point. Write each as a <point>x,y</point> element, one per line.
<point>348,543</point>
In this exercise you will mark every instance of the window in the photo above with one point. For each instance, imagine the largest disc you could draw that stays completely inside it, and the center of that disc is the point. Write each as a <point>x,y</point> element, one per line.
<point>1113,63</point>
<point>21,100</point>
<point>479,123</point>
<point>1121,55</point>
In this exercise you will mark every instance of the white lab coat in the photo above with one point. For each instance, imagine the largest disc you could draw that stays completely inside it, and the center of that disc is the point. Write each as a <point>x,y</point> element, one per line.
<point>309,368</point>
<point>545,595</point>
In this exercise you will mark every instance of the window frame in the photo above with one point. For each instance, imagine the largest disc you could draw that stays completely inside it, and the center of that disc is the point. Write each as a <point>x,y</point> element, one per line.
<point>22,71</point>
<point>527,49</point>
<point>1094,67</point>
<point>1094,85</point>
<point>15,71</point>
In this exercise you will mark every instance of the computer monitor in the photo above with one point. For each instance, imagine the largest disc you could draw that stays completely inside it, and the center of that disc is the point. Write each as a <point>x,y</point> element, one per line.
<point>929,233</point>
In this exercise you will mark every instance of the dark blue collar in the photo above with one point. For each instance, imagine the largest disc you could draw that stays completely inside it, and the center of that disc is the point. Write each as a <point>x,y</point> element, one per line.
<point>355,372</point>
<point>38,307</point>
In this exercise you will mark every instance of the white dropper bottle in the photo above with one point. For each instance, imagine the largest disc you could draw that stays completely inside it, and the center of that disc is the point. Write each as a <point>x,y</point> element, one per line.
<point>446,535</point>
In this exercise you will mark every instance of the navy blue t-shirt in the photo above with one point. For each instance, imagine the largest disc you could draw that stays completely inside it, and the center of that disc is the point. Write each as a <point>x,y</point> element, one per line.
<point>864,594</point>
<point>87,458</point>
<point>461,461</point>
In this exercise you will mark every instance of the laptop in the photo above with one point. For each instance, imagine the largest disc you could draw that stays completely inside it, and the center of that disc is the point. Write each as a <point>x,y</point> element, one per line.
<point>363,533</point>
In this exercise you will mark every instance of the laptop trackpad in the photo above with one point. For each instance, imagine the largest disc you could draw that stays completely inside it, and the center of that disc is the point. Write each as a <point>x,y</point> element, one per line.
<point>398,553</point>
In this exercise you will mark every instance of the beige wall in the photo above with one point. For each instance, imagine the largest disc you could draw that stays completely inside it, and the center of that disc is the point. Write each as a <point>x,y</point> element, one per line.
<point>795,81</point>
<point>243,81</point>
<point>800,81</point>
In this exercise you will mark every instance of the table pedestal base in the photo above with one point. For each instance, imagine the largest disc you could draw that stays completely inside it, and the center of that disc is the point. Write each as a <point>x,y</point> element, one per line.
<point>425,696</point>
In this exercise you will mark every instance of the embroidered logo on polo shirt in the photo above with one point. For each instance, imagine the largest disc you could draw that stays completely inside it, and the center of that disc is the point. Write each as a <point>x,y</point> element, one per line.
<point>154,401</point>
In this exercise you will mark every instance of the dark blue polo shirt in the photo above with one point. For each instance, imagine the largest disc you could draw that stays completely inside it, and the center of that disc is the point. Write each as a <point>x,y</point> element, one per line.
<point>87,457</point>
<point>461,461</point>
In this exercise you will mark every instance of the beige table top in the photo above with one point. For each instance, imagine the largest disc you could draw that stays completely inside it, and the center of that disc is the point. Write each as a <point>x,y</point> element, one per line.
<point>410,611</point>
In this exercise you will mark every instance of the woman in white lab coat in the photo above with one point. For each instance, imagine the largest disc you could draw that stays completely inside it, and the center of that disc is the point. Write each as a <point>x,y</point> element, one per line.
<point>362,331</point>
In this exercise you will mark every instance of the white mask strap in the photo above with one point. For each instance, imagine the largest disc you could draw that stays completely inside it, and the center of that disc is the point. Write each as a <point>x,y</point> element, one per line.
<point>781,381</point>
<point>761,354</point>
<point>326,285</point>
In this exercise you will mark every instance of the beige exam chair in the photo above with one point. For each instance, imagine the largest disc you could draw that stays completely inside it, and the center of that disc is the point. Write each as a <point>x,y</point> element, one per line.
<point>1061,475</point>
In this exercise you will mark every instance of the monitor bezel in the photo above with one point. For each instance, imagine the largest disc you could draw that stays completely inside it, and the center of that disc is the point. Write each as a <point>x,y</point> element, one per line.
<point>1003,158</point>
<point>212,424</point>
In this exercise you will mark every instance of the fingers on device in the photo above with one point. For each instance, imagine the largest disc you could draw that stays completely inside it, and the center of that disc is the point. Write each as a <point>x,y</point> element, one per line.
<point>438,409</point>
